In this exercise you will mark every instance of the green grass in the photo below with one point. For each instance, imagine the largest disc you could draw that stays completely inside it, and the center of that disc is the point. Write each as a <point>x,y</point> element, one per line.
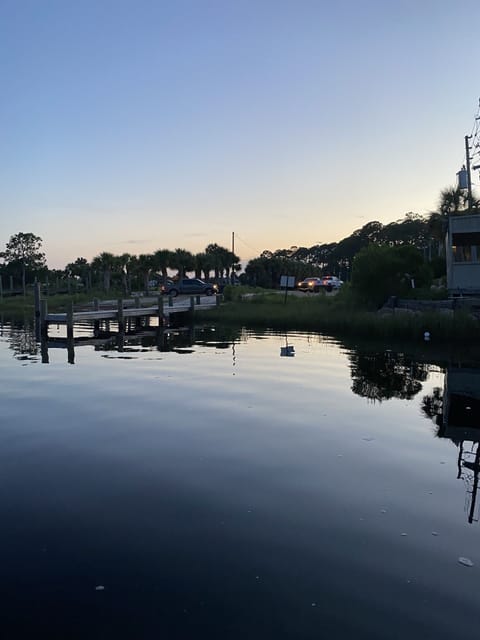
<point>19,305</point>
<point>342,316</point>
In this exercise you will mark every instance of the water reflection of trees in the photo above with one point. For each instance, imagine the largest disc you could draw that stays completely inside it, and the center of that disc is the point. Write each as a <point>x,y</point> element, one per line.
<point>22,340</point>
<point>384,375</point>
<point>432,407</point>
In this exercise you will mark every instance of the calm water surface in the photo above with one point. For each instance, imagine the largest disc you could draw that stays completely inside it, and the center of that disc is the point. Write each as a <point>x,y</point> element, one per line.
<point>217,489</point>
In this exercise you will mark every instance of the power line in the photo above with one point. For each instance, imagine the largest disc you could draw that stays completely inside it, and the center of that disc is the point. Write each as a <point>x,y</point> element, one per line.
<point>246,244</point>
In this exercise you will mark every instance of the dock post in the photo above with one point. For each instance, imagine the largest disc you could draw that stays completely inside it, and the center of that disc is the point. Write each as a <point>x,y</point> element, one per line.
<point>1,288</point>
<point>138,319</point>
<point>198,300</point>
<point>121,323</point>
<point>218,299</point>
<point>96,323</point>
<point>160,311</point>
<point>44,350</point>
<point>43,318</point>
<point>36,296</point>
<point>11,283</point>
<point>170,301</point>
<point>71,350</point>
<point>192,303</point>
<point>70,321</point>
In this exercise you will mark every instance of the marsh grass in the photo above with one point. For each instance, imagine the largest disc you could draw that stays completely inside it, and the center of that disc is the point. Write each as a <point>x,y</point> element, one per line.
<point>19,305</point>
<point>341,316</point>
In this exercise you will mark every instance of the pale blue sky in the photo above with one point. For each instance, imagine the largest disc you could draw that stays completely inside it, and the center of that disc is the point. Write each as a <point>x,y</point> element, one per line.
<point>129,126</point>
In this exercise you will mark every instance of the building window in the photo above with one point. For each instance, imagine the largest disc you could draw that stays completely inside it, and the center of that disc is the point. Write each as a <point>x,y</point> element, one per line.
<point>466,247</point>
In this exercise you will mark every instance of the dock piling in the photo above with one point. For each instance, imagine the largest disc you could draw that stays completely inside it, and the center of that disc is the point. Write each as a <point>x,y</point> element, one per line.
<point>43,317</point>
<point>120,317</point>
<point>160,311</point>
<point>70,320</point>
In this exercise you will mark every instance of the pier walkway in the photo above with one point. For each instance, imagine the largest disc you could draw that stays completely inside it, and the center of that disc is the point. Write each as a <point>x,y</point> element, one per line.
<point>123,310</point>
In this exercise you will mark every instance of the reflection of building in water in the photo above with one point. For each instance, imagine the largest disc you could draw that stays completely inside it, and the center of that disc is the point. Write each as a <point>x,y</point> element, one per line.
<point>288,350</point>
<point>461,423</point>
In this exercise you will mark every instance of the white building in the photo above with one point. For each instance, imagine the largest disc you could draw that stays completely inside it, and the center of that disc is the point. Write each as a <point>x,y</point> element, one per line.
<point>463,254</point>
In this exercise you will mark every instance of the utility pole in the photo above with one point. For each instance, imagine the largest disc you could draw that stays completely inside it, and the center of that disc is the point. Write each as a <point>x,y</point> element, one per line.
<point>232,278</point>
<point>469,176</point>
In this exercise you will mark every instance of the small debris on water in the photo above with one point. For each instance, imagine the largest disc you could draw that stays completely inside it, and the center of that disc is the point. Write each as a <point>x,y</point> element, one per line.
<point>434,533</point>
<point>466,562</point>
<point>257,577</point>
<point>367,439</point>
<point>99,587</point>
<point>314,604</point>
<point>339,455</point>
<point>442,462</point>
<point>404,534</point>
<point>383,511</point>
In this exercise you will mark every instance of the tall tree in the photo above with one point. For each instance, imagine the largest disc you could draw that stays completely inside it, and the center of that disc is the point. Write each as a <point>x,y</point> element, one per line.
<point>183,261</point>
<point>163,260</point>
<point>145,264</point>
<point>223,258</point>
<point>204,264</point>
<point>124,264</point>
<point>104,264</point>
<point>23,249</point>
<point>80,269</point>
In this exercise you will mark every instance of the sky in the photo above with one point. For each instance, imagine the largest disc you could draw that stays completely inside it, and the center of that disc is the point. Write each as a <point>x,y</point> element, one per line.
<point>131,126</point>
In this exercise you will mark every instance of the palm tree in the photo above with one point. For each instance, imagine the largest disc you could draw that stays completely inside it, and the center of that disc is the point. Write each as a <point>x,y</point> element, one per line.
<point>182,260</point>
<point>104,264</point>
<point>124,265</point>
<point>452,201</point>
<point>204,263</point>
<point>223,258</point>
<point>163,260</point>
<point>145,265</point>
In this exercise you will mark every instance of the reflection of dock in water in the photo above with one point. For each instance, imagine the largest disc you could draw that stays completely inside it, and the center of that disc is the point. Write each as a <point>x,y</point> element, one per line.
<point>121,311</point>
<point>461,423</point>
<point>179,339</point>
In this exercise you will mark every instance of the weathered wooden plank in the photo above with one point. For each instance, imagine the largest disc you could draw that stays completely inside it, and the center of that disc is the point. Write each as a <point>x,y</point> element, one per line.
<point>132,312</point>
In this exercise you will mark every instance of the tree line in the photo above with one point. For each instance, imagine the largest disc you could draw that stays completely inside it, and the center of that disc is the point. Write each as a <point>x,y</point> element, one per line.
<point>24,261</point>
<point>425,234</point>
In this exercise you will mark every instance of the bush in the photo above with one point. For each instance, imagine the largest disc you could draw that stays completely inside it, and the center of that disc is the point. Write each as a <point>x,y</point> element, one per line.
<point>379,272</point>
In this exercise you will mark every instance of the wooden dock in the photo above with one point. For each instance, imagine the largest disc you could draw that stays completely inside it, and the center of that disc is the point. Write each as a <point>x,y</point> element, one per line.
<point>122,311</point>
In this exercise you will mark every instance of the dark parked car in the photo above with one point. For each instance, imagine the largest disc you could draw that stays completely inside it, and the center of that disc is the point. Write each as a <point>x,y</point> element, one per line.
<point>189,286</point>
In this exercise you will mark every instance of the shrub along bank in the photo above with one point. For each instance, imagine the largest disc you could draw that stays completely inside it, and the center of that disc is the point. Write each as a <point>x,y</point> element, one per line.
<point>340,315</point>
